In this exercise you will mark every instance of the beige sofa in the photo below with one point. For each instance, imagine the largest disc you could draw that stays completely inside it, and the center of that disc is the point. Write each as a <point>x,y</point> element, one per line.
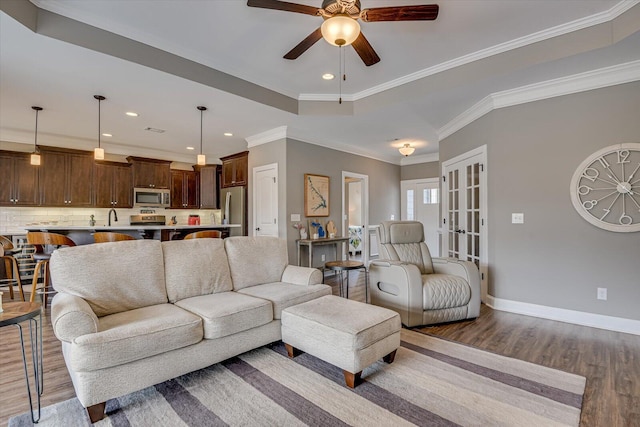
<point>136,313</point>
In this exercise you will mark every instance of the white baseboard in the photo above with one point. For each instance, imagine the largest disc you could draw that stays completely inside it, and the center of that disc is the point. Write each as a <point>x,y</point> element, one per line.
<point>593,320</point>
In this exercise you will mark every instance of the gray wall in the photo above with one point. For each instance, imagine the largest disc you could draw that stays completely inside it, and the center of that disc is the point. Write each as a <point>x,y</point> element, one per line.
<point>555,258</point>
<point>384,184</point>
<point>420,170</point>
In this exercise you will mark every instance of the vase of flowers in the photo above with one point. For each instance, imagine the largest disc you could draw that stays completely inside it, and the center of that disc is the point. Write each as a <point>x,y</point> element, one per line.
<point>303,231</point>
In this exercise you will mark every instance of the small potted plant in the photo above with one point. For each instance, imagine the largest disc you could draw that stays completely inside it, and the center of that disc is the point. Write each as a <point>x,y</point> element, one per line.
<point>303,231</point>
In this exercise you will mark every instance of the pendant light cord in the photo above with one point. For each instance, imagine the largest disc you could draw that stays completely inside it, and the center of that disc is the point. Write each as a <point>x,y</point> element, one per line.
<point>99,102</point>
<point>201,111</point>
<point>36,138</point>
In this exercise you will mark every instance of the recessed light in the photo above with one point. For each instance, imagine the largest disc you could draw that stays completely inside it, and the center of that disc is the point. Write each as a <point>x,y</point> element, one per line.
<point>190,148</point>
<point>108,135</point>
<point>328,76</point>
<point>131,114</point>
<point>228,134</point>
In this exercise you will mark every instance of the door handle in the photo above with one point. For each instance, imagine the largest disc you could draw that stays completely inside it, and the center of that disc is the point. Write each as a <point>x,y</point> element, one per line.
<point>257,228</point>
<point>460,231</point>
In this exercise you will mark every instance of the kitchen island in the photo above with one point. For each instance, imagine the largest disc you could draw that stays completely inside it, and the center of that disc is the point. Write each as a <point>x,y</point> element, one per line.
<point>83,235</point>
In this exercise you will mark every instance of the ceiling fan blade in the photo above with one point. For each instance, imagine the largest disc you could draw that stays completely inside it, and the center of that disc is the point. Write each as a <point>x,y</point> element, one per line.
<point>425,12</point>
<point>305,44</point>
<point>283,5</point>
<point>365,50</point>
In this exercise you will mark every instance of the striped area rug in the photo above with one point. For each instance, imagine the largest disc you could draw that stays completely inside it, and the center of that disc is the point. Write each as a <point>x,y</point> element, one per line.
<point>432,382</point>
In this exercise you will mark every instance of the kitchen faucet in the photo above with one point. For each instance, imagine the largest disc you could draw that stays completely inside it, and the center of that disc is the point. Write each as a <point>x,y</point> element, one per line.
<point>115,216</point>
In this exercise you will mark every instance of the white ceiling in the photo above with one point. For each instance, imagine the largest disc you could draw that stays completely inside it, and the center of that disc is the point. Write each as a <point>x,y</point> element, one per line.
<point>430,71</point>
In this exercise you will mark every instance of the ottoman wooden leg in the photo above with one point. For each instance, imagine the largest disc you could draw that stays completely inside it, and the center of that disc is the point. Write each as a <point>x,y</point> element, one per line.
<point>352,380</point>
<point>390,357</point>
<point>292,351</point>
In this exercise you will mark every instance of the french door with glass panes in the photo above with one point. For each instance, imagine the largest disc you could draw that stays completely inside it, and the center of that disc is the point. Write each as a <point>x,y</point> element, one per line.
<point>464,210</point>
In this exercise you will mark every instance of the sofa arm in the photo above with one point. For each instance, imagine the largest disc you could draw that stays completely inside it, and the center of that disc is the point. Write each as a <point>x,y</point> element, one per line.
<point>398,286</point>
<point>466,270</point>
<point>72,317</point>
<point>301,275</point>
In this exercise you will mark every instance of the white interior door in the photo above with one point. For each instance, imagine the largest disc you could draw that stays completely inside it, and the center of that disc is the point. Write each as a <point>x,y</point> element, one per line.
<point>265,200</point>
<point>465,210</point>
<point>421,202</point>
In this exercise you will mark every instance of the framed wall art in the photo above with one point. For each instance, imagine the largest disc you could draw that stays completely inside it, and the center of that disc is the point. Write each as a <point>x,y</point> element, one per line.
<point>316,195</point>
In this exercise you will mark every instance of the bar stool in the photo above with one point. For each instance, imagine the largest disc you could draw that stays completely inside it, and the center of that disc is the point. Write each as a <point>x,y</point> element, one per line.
<point>342,266</point>
<point>215,234</point>
<point>11,270</point>
<point>41,239</point>
<point>109,236</point>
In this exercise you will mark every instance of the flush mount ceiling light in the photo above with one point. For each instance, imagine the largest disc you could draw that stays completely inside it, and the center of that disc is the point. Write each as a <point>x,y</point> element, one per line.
<point>406,150</point>
<point>201,159</point>
<point>35,156</point>
<point>340,30</point>
<point>98,153</point>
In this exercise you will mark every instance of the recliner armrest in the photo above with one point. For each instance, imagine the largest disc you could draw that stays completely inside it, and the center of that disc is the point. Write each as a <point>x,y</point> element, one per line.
<point>303,276</point>
<point>468,271</point>
<point>72,317</point>
<point>397,285</point>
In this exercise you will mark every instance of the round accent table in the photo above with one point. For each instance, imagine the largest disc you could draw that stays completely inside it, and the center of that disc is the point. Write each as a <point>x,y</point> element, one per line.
<point>342,266</point>
<point>15,313</point>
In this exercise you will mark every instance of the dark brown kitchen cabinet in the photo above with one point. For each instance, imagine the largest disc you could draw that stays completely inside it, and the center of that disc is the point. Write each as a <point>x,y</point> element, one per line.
<point>209,186</point>
<point>234,169</point>
<point>184,189</point>
<point>19,180</point>
<point>113,185</point>
<point>66,178</point>
<point>150,173</point>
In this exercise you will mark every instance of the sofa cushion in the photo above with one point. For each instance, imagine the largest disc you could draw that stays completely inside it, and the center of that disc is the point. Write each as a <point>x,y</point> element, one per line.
<point>444,291</point>
<point>135,334</point>
<point>284,295</point>
<point>132,271</point>
<point>195,267</point>
<point>256,260</point>
<point>227,313</point>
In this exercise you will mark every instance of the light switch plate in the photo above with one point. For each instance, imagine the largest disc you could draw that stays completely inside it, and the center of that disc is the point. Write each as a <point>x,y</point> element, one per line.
<point>295,217</point>
<point>517,218</point>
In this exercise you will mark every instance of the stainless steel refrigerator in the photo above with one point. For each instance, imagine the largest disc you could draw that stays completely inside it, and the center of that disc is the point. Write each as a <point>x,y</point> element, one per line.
<point>234,209</point>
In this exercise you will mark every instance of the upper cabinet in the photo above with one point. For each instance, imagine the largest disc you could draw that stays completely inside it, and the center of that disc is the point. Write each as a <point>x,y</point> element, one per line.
<point>150,173</point>
<point>184,189</point>
<point>19,180</point>
<point>234,169</point>
<point>113,185</point>
<point>66,178</point>
<point>208,186</point>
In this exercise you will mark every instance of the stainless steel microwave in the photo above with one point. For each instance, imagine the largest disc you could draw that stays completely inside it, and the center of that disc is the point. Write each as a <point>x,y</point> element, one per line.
<point>151,198</point>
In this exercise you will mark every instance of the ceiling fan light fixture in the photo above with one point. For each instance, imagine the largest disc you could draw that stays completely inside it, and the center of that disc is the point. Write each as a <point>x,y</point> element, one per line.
<point>340,30</point>
<point>406,150</point>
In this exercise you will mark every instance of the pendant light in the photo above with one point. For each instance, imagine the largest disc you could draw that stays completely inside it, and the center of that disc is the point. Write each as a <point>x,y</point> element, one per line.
<point>98,153</point>
<point>201,158</point>
<point>35,156</point>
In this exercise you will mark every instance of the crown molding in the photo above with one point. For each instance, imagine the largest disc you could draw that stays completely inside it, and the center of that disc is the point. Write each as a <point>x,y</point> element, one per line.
<point>266,137</point>
<point>590,80</point>
<point>423,158</point>
<point>579,24</point>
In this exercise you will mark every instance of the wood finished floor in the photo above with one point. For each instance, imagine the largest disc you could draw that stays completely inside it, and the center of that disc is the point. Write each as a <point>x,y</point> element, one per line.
<point>609,360</point>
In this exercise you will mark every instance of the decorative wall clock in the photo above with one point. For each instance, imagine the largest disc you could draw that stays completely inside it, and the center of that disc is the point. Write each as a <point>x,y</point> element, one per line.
<point>605,188</point>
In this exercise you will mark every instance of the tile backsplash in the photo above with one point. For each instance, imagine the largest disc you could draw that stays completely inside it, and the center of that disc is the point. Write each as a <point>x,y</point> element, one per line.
<point>13,220</point>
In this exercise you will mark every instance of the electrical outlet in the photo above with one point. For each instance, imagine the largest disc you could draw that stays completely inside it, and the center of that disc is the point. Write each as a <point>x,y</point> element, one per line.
<point>517,218</point>
<point>393,217</point>
<point>602,293</point>
<point>322,257</point>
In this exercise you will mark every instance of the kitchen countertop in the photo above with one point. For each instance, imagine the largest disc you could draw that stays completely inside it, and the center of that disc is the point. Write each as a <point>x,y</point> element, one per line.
<point>45,227</point>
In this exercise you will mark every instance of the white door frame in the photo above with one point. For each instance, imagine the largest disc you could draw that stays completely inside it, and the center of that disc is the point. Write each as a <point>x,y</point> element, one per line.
<point>254,196</point>
<point>365,212</point>
<point>481,152</point>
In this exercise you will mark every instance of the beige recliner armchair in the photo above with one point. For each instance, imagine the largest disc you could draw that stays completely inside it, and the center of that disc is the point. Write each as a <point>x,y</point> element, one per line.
<point>423,290</point>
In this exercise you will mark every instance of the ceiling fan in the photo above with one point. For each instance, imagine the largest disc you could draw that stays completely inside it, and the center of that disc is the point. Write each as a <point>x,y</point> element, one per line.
<point>340,26</point>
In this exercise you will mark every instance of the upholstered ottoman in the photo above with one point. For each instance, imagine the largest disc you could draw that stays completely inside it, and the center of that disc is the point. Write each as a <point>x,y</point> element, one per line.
<point>348,334</point>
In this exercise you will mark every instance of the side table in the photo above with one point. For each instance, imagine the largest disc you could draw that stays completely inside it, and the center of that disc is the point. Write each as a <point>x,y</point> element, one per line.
<point>15,313</point>
<point>341,266</point>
